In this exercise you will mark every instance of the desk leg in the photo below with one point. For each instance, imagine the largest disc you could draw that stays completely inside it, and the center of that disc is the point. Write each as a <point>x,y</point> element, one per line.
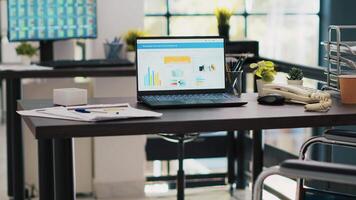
<point>64,180</point>
<point>240,149</point>
<point>45,169</point>
<point>15,161</point>
<point>257,155</point>
<point>231,155</point>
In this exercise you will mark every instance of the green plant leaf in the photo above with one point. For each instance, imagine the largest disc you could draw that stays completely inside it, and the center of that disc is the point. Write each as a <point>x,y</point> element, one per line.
<point>26,49</point>
<point>253,65</point>
<point>268,76</point>
<point>295,74</point>
<point>265,70</point>
<point>269,64</point>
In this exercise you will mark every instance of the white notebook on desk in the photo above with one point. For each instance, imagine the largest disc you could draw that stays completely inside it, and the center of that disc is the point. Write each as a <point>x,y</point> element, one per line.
<point>20,67</point>
<point>91,113</point>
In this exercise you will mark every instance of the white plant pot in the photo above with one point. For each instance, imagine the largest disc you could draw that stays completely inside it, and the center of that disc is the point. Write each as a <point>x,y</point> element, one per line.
<point>131,56</point>
<point>260,83</point>
<point>295,82</point>
<point>25,60</point>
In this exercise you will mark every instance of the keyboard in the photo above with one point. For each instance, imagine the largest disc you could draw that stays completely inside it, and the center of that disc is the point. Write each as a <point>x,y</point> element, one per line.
<point>87,63</point>
<point>192,100</point>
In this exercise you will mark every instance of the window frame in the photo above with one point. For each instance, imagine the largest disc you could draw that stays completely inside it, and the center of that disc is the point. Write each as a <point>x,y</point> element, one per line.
<point>168,15</point>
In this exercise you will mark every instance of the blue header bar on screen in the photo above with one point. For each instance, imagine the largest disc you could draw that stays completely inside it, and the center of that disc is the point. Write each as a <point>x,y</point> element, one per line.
<point>187,45</point>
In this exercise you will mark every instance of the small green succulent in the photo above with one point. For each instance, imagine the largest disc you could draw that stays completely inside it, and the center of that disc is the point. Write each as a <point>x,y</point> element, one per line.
<point>264,70</point>
<point>295,74</point>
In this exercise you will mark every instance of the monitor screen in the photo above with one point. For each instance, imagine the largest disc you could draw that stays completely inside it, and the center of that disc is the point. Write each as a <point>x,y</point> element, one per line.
<point>51,19</point>
<point>180,64</point>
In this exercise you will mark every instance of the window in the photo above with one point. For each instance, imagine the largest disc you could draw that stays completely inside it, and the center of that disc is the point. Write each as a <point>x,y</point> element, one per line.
<point>294,22</point>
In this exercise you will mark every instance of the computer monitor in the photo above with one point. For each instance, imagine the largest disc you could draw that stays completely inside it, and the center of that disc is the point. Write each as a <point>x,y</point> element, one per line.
<point>180,63</point>
<point>38,20</point>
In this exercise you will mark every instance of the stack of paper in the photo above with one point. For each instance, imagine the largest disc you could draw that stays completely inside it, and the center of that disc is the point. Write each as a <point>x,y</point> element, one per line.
<point>20,67</point>
<point>91,113</point>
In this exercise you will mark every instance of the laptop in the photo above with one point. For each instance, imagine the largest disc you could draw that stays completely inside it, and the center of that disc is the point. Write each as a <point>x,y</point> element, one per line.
<point>174,72</point>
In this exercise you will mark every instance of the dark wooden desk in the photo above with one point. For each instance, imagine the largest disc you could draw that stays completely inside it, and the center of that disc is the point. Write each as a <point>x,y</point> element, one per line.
<point>253,116</point>
<point>15,163</point>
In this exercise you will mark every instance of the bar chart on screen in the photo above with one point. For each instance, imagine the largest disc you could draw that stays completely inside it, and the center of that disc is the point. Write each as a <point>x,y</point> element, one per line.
<point>152,78</point>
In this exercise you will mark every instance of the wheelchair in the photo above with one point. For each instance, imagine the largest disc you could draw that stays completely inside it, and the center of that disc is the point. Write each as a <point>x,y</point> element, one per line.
<point>302,169</point>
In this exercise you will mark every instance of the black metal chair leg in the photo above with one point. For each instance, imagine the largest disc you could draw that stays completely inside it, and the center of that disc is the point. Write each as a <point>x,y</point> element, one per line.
<point>241,162</point>
<point>180,173</point>
<point>231,160</point>
<point>257,155</point>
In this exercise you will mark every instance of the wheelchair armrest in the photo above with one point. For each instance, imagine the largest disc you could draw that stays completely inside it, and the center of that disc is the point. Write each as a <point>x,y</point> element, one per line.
<point>332,172</point>
<point>321,167</point>
<point>341,135</point>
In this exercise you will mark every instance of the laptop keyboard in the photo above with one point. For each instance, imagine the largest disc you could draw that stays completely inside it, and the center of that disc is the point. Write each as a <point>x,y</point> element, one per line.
<point>186,98</point>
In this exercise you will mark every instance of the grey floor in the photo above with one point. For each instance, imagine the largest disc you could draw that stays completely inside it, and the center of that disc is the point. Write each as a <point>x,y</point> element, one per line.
<point>209,193</point>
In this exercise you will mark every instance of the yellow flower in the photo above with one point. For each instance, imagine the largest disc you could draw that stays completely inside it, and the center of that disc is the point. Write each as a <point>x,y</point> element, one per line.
<point>131,36</point>
<point>223,15</point>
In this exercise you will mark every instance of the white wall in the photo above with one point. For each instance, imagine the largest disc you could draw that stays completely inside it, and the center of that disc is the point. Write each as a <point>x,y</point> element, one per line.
<point>115,17</point>
<point>119,161</point>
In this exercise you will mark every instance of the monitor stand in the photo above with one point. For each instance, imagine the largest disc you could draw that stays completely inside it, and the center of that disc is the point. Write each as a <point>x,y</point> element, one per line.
<point>46,51</point>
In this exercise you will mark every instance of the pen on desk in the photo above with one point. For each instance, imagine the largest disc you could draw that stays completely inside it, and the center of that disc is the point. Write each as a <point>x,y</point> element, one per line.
<point>80,110</point>
<point>96,107</point>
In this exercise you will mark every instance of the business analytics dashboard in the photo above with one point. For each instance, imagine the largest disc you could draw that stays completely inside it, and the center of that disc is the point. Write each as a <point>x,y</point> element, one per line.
<point>180,64</point>
<point>51,19</point>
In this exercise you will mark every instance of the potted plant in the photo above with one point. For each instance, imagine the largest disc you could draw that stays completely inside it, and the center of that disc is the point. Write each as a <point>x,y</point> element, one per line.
<point>295,76</point>
<point>223,16</point>
<point>26,51</point>
<point>265,72</point>
<point>130,40</point>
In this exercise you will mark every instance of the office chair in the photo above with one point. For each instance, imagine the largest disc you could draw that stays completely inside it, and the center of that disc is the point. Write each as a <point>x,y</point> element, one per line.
<point>180,139</point>
<point>302,169</point>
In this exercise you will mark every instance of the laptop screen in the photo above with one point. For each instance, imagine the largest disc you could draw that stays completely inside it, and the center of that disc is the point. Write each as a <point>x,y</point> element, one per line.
<point>165,64</point>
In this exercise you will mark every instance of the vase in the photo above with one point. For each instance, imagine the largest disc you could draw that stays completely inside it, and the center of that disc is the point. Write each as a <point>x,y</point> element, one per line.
<point>131,56</point>
<point>25,60</point>
<point>224,30</point>
<point>295,82</point>
<point>260,83</point>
